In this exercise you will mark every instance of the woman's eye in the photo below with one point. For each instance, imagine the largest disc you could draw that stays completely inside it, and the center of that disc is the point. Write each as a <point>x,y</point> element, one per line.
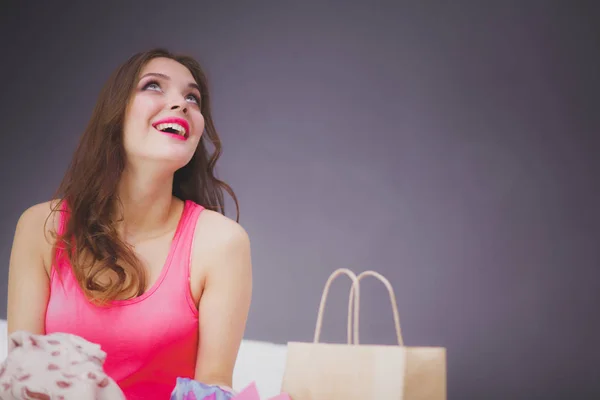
<point>193,98</point>
<point>152,86</point>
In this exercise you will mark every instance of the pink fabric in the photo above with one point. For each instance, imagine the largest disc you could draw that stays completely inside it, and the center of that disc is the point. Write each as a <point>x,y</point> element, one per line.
<point>250,392</point>
<point>150,340</point>
<point>58,366</point>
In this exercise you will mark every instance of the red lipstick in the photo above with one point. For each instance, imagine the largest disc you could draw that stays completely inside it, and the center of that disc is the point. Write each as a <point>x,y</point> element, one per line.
<point>177,128</point>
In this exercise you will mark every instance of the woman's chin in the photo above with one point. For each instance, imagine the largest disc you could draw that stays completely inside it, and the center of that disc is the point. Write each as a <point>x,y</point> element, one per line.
<point>170,161</point>
<point>174,164</point>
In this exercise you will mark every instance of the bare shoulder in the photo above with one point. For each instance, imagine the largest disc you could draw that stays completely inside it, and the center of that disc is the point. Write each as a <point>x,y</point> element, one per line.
<point>221,251</point>
<point>220,232</point>
<point>38,218</point>
<point>220,254</point>
<point>36,225</point>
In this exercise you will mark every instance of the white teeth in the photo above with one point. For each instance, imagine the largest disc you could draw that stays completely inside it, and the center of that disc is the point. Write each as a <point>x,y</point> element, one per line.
<point>180,129</point>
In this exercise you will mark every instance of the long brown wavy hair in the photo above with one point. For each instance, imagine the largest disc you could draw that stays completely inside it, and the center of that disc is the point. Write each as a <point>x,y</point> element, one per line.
<point>88,191</point>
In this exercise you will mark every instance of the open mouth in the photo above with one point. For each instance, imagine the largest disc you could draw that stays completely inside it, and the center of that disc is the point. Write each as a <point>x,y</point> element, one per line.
<point>176,127</point>
<point>172,128</point>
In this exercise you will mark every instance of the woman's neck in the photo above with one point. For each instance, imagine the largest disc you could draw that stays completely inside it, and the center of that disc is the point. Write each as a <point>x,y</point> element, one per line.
<point>146,204</point>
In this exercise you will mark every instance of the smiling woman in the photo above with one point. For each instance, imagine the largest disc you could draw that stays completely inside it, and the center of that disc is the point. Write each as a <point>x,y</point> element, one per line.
<point>137,240</point>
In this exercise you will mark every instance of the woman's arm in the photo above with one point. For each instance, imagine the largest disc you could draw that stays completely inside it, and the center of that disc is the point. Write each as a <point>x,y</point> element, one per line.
<point>225,301</point>
<point>28,282</point>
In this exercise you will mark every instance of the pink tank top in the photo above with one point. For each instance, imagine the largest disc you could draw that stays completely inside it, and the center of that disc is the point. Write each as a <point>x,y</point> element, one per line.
<point>149,340</point>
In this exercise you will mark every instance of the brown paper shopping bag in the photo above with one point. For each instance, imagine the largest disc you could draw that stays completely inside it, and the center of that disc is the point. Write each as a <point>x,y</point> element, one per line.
<point>351,371</point>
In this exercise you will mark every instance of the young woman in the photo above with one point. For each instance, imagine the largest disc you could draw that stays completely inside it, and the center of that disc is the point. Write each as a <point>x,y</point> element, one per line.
<point>135,254</point>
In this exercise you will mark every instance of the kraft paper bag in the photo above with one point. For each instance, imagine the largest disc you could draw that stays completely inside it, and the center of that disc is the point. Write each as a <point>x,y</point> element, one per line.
<point>351,371</point>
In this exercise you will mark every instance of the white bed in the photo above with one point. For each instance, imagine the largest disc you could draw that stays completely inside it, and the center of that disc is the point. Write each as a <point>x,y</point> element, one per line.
<point>257,361</point>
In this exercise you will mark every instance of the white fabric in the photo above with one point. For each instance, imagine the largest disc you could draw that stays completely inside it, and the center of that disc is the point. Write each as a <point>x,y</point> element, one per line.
<point>259,362</point>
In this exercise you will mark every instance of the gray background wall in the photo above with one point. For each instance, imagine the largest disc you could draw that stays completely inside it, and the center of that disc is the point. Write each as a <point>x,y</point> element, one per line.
<point>452,147</point>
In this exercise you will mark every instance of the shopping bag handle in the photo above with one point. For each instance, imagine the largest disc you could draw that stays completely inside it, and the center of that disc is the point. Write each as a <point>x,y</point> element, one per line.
<point>354,298</point>
<point>351,331</point>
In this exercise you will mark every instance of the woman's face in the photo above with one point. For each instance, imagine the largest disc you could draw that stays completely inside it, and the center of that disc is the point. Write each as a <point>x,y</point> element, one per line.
<point>163,122</point>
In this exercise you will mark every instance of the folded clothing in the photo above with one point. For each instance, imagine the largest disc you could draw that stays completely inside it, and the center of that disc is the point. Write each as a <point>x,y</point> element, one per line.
<point>189,389</point>
<point>56,366</point>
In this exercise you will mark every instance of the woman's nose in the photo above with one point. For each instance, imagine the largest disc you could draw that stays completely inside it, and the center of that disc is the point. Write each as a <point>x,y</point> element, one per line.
<point>177,107</point>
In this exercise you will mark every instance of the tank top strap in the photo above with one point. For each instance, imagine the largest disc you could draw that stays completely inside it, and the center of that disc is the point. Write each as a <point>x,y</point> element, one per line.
<point>184,240</point>
<point>62,221</point>
<point>63,215</point>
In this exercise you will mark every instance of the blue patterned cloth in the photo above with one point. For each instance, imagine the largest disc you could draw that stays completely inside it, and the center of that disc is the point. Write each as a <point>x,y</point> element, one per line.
<point>189,389</point>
